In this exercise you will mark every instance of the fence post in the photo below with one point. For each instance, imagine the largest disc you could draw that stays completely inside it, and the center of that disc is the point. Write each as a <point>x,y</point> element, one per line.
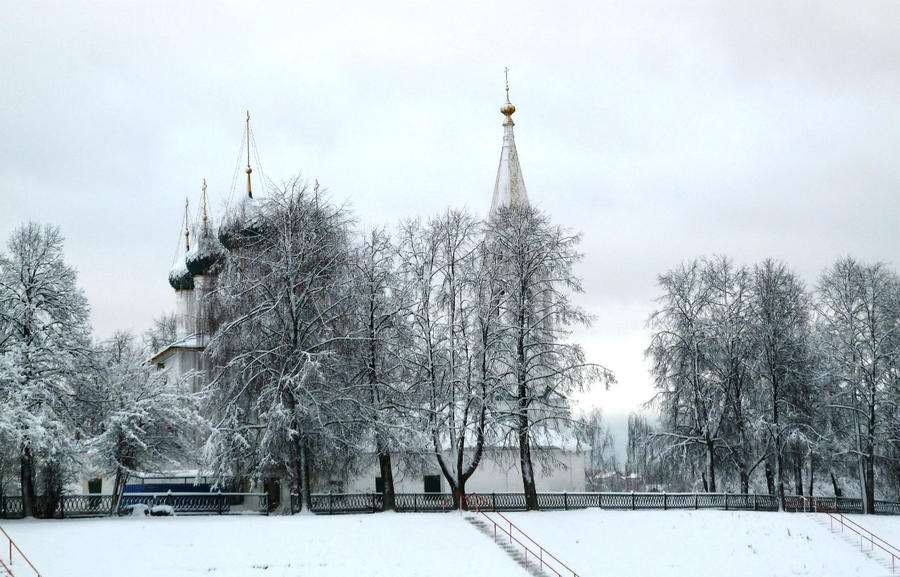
<point>632,500</point>
<point>565,500</point>
<point>494,500</point>
<point>696,505</point>
<point>62,506</point>
<point>755,506</point>
<point>665,501</point>
<point>220,502</point>
<point>726,500</point>
<point>600,500</point>
<point>330,504</point>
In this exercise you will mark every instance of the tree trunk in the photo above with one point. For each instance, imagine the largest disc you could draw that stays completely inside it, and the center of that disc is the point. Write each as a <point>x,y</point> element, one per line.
<point>870,484</point>
<point>711,464</point>
<point>118,490</point>
<point>26,478</point>
<point>779,450</point>
<point>745,481</point>
<point>838,492</point>
<point>870,460</point>
<point>811,470</point>
<point>770,481</point>
<point>798,475</point>
<point>531,502</point>
<point>304,499</point>
<point>387,480</point>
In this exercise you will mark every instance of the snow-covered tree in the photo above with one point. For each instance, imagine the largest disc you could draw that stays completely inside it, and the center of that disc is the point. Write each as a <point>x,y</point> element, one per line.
<point>693,405</point>
<point>859,331</point>
<point>283,297</point>
<point>448,343</point>
<point>145,420</point>
<point>540,364</point>
<point>162,333</point>
<point>600,444</point>
<point>44,338</point>
<point>730,361</point>
<point>780,328</point>
<point>371,355</point>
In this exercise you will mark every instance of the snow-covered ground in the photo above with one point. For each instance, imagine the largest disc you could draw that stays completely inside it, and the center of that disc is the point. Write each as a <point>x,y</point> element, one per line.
<point>737,544</point>
<point>593,542</point>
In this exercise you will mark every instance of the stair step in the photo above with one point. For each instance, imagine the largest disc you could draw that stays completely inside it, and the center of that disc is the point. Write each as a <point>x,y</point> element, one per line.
<point>514,551</point>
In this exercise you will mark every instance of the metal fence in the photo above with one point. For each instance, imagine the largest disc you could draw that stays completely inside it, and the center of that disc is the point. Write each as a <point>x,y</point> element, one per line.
<point>336,503</point>
<point>71,506</point>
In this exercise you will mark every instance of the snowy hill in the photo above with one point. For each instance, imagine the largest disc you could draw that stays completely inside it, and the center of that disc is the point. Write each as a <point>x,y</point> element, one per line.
<point>593,542</point>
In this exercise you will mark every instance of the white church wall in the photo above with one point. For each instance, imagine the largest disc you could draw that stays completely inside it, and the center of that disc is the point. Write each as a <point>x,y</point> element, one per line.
<point>498,472</point>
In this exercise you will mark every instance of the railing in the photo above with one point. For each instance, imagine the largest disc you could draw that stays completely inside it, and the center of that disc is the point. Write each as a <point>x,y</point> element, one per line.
<point>544,558</point>
<point>95,505</point>
<point>12,545</point>
<point>187,503</point>
<point>335,503</point>
<point>815,505</point>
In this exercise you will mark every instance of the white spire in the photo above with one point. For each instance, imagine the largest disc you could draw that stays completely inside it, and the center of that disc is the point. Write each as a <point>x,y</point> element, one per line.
<point>509,189</point>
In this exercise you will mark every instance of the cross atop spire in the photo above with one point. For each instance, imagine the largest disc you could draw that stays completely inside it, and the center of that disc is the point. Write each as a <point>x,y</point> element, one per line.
<point>249,170</point>
<point>187,227</point>
<point>506,75</point>
<point>508,109</point>
<point>205,215</point>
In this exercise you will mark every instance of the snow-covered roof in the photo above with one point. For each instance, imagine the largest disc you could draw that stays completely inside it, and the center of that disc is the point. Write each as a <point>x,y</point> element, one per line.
<point>191,342</point>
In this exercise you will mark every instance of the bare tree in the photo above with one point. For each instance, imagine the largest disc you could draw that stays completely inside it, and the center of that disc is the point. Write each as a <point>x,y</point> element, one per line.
<point>859,326</point>
<point>371,352</point>
<point>693,405</point>
<point>449,339</point>
<point>540,364</point>
<point>781,330</point>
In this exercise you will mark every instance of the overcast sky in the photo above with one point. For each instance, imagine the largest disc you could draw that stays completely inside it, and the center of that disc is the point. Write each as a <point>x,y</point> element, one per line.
<point>663,132</point>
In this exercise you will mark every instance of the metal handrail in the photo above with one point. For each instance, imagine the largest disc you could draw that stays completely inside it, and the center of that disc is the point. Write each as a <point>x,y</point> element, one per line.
<point>509,533</point>
<point>11,545</point>
<point>874,540</point>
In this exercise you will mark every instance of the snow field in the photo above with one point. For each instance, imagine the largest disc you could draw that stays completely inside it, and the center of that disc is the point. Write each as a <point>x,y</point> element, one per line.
<point>593,542</point>
<point>386,544</point>
<point>705,543</point>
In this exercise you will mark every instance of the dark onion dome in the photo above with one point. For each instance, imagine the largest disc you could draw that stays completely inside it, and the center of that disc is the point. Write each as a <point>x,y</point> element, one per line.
<point>205,255</point>
<point>240,224</point>
<point>180,278</point>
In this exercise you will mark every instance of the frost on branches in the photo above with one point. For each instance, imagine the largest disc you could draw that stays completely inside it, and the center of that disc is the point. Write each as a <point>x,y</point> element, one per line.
<point>767,383</point>
<point>146,420</point>
<point>44,344</point>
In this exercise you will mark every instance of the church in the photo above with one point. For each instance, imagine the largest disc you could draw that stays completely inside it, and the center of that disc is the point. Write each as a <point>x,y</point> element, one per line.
<point>194,275</point>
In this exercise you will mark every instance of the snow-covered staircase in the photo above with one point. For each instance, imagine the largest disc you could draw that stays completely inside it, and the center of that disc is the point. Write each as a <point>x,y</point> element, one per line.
<point>855,533</point>
<point>515,552</point>
<point>507,535</point>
